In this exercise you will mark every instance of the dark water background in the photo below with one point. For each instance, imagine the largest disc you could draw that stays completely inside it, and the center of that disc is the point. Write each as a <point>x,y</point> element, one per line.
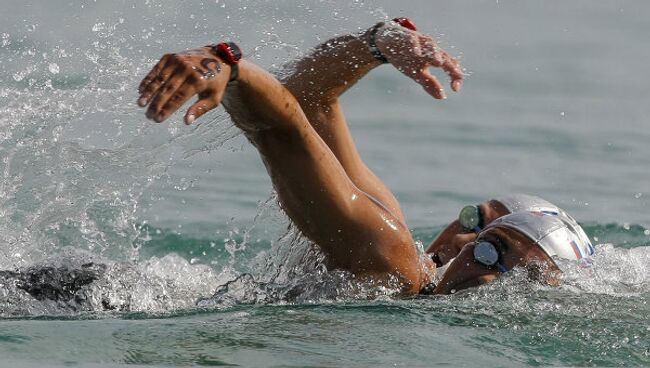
<point>555,104</point>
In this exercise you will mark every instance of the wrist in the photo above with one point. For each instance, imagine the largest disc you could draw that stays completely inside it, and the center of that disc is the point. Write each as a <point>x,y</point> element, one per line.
<point>372,34</point>
<point>371,41</point>
<point>230,54</point>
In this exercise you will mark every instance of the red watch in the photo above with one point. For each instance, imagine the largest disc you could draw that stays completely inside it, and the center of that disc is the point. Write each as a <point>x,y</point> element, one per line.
<point>405,22</point>
<point>372,44</point>
<point>230,53</point>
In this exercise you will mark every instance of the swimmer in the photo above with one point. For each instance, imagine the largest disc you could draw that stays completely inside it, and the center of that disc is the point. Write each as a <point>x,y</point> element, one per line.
<point>473,218</point>
<point>298,126</point>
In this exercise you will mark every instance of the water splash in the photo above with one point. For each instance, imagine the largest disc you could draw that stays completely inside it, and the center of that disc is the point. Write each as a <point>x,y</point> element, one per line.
<point>77,158</point>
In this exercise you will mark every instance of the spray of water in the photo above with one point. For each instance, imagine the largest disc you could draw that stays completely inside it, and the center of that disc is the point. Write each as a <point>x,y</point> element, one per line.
<point>76,160</point>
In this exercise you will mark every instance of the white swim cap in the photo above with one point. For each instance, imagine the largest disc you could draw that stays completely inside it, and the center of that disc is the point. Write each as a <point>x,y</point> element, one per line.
<point>518,202</point>
<point>557,235</point>
<point>470,217</point>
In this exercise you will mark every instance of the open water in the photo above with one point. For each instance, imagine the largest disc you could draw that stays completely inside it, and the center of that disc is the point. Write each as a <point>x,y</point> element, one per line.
<point>201,267</point>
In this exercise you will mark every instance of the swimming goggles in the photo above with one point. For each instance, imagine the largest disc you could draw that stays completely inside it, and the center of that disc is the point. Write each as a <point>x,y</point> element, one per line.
<point>487,254</point>
<point>470,218</point>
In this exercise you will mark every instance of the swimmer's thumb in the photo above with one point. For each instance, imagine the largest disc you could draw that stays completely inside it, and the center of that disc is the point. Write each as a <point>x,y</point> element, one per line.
<point>200,107</point>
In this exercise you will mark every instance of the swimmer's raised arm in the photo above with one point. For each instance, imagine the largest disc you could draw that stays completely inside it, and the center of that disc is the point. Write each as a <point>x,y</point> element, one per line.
<point>335,65</point>
<point>320,78</point>
<point>356,233</point>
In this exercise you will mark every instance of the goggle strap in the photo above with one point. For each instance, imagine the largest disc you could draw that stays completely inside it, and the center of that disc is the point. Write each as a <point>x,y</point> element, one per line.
<point>501,267</point>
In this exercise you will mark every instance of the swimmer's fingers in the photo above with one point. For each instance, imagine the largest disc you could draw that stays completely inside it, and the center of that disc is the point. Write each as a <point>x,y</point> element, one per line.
<point>157,81</point>
<point>454,70</point>
<point>175,100</point>
<point>207,101</point>
<point>153,73</point>
<point>179,85</point>
<point>438,57</point>
<point>430,84</point>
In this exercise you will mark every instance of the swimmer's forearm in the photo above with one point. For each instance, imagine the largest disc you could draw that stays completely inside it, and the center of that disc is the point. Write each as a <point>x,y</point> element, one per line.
<point>330,69</point>
<point>258,101</point>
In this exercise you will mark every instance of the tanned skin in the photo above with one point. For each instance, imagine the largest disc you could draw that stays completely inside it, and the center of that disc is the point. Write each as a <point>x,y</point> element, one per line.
<point>302,136</point>
<point>299,129</point>
<point>454,237</point>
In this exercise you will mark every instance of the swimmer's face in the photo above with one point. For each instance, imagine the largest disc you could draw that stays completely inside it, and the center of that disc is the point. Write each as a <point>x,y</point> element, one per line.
<point>454,237</point>
<point>515,249</point>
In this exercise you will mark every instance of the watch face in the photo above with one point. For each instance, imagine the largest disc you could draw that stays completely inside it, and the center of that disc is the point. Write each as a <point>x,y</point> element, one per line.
<point>469,217</point>
<point>486,254</point>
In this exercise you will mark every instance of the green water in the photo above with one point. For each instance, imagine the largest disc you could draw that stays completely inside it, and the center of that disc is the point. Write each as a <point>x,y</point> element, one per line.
<point>555,104</point>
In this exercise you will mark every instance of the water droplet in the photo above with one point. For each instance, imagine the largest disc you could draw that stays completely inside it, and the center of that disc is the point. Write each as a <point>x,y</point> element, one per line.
<point>53,68</point>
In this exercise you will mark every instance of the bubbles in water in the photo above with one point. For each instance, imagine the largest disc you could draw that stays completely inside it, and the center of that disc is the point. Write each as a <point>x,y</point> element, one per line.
<point>53,68</point>
<point>5,40</point>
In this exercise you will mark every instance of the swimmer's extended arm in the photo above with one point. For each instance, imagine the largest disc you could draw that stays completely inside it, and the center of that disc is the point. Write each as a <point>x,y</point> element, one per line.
<point>315,189</point>
<point>337,64</point>
<point>356,234</point>
<point>320,78</point>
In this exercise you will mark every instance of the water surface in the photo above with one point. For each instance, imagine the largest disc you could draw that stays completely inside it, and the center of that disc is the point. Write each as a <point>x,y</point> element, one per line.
<point>555,104</point>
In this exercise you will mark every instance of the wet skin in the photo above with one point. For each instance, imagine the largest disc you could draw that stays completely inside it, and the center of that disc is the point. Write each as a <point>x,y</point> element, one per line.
<point>515,248</point>
<point>299,129</point>
<point>453,238</point>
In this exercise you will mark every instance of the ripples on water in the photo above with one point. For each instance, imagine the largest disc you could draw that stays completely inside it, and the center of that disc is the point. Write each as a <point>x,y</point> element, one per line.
<point>76,163</point>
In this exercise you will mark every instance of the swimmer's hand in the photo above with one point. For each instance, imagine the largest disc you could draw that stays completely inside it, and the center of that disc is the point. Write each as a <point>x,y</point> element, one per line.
<point>177,77</point>
<point>413,53</point>
<point>449,250</point>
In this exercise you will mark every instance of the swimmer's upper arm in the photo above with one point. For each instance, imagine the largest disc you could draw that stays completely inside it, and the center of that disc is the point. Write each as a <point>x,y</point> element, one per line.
<point>354,231</point>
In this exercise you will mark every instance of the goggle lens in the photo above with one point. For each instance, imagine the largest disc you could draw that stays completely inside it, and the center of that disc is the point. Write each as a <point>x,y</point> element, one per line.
<point>469,217</point>
<point>486,254</point>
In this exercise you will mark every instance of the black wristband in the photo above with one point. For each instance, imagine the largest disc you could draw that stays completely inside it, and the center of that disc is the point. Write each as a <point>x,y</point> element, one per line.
<point>234,73</point>
<point>230,53</point>
<point>372,43</point>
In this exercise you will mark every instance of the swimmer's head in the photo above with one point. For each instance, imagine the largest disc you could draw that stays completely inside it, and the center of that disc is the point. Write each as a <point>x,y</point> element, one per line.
<point>524,239</point>
<point>472,219</point>
<point>464,229</point>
